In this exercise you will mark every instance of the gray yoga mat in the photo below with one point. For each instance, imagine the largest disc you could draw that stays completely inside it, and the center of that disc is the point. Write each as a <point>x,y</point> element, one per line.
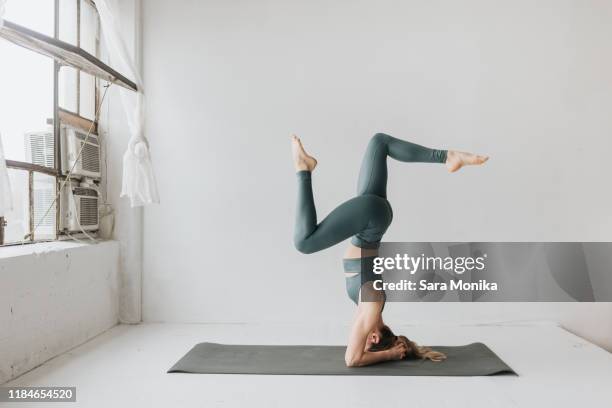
<point>474,359</point>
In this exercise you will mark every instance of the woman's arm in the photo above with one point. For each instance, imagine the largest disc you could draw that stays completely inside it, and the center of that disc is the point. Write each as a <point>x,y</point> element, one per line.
<point>366,321</point>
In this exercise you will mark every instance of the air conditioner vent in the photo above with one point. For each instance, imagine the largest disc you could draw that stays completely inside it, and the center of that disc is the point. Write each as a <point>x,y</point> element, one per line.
<point>79,208</point>
<point>39,148</point>
<point>44,205</point>
<point>44,199</point>
<point>88,213</point>
<point>80,153</point>
<point>90,157</point>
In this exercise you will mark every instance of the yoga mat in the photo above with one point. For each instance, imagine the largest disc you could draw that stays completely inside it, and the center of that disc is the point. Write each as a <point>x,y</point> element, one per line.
<point>474,359</point>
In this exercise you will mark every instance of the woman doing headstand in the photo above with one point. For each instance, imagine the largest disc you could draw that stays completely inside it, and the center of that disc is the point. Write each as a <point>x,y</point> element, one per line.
<point>365,218</point>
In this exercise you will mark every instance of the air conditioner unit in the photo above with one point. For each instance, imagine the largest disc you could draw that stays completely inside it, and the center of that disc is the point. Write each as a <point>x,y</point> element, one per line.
<point>88,164</point>
<point>79,208</point>
<point>43,206</point>
<point>39,148</point>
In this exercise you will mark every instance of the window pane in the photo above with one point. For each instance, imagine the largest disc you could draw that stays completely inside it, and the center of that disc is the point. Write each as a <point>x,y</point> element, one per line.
<point>44,192</point>
<point>89,27</point>
<point>26,97</point>
<point>18,220</point>
<point>67,89</point>
<point>88,96</point>
<point>68,21</point>
<point>37,15</point>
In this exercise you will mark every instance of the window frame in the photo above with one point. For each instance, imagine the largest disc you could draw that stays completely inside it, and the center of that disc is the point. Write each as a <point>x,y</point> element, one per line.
<point>60,116</point>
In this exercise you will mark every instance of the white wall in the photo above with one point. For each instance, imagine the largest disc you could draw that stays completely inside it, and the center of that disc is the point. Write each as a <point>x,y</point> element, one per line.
<point>525,81</point>
<point>54,297</point>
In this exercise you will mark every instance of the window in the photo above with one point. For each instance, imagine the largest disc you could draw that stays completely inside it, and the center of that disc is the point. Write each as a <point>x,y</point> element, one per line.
<point>38,94</point>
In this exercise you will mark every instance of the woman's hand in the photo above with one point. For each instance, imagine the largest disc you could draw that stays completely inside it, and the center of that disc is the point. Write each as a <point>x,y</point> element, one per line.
<point>398,352</point>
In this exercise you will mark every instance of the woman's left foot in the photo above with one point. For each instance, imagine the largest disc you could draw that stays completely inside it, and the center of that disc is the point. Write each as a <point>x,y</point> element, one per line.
<point>456,160</point>
<point>301,160</point>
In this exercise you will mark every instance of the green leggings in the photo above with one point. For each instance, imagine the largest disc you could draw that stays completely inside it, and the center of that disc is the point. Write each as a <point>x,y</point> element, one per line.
<point>367,216</point>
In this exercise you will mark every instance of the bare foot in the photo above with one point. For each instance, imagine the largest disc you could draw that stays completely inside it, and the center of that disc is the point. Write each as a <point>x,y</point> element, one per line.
<point>456,160</point>
<point>301,159</point>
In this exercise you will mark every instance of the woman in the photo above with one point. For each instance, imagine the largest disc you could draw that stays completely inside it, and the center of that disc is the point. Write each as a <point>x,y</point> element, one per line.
<point>365,218</point>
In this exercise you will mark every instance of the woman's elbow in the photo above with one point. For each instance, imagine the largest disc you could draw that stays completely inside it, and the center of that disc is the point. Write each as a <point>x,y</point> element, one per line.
<point>352,361</point>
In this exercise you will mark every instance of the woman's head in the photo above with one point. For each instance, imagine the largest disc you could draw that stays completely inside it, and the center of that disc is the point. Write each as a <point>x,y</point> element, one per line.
<point>381,339</point>
<point>384,339</point>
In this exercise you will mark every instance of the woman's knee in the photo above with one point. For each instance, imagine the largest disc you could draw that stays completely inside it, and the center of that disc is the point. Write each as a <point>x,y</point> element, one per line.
<point>303,245</point>
<point>380,138</point>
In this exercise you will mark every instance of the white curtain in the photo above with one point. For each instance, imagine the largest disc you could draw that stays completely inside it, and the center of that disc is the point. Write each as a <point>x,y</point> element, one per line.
<point>2,3</point>
<point>139,183</point>
<point>6,203</point>
<point>6,199</point>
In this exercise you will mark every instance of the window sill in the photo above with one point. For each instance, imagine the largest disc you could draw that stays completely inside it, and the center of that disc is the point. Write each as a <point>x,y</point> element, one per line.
<point>41,248</point>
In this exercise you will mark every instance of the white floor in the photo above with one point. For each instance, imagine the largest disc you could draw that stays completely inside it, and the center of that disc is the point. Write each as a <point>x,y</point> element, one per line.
<point>126,367</point>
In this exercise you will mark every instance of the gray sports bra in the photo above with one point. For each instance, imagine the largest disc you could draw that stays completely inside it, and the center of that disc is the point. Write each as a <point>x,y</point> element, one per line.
<point>364,269</point>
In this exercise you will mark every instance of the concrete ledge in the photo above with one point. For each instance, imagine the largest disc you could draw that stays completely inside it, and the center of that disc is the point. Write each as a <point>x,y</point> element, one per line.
<point>53,297</point>
<point>41,248</point>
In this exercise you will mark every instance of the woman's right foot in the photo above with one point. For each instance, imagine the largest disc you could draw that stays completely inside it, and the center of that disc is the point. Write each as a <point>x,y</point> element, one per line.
<point>302,160</point>
<point>456,160</point>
